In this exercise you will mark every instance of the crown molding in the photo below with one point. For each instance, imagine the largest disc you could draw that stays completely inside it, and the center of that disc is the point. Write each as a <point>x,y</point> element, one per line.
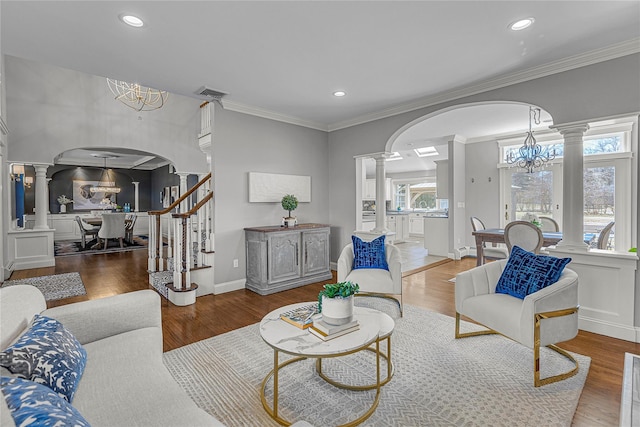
<point>628,47</point>
<point>618,50</point>
<point>272,115</point>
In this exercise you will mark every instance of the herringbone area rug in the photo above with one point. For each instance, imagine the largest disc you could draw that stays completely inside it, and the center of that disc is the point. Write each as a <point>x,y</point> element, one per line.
<point>439,381</point>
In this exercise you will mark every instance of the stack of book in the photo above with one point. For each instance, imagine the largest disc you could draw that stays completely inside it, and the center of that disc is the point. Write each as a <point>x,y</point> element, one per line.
<point>325,332</point>
<point>301,317</point>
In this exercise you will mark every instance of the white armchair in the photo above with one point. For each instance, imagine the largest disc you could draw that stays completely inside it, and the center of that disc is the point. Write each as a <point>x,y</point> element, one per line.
<point>542,318</point>
<point>374,281</point>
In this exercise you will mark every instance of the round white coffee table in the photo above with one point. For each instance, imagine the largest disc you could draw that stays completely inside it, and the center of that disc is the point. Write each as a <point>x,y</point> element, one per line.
<point>375,326</point>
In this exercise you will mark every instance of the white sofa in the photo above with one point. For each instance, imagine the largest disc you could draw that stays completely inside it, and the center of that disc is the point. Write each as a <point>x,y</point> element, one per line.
<point>125,382</point>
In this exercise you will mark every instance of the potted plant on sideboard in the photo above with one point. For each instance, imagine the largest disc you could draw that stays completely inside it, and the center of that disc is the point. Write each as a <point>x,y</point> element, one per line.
<point>64,201</point>
<point>335,302</point>
<point>290,203</point>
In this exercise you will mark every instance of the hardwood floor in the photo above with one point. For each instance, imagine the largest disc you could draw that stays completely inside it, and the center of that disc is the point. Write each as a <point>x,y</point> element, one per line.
<point>115,273</point>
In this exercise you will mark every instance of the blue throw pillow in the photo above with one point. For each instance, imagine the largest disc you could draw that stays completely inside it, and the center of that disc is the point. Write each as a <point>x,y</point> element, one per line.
<point>369,254</point>
<point>526,273</point>
<point>47,354</point>
<point>33,404</point>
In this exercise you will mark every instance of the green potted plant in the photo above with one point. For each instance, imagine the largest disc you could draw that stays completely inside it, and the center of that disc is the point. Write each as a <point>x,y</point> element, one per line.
<point>335,302</point>
<point>290,203</point>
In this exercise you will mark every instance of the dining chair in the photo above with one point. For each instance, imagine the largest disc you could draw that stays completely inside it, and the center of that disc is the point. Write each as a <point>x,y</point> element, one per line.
<point>112,228</point>
<point>488,252</point>
<point>523,234</point>
<point>128,227</point>
<point>549,224</point>
<point>603,237</point>
<point>86,230</point>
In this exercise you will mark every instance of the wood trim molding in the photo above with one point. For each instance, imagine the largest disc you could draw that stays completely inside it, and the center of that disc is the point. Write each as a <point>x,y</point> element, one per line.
<point>3,127</point>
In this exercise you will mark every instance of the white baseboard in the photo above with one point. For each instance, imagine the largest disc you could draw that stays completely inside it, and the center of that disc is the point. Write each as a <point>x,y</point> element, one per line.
<point>333,266</point>
<point>234,285</point>
<point>614,330</point>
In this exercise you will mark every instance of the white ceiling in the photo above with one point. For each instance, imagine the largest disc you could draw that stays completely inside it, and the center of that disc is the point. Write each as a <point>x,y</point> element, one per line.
<point>284,59</point>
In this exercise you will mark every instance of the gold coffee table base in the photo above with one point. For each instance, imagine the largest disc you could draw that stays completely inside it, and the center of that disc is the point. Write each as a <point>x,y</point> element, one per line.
<point>273,411</point>
<point>390,371</point>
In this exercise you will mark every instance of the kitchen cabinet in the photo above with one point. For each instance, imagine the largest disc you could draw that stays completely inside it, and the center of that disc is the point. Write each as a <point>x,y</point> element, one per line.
<point>436,236</point>
<point>368,224</point>
<point>442,179</point>
<point>400,225</point>
<point>369,189</point>
<point>416,224</point>
<point>280,258</point>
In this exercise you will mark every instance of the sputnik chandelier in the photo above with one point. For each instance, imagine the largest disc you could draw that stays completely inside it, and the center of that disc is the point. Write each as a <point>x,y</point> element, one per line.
<point>531,155</point>
<point>140,98</point>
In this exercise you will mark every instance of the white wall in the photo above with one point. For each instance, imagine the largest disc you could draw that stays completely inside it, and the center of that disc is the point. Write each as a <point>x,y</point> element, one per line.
<point>483,195</point>
<point>53,109</point>
<point>243,144</point>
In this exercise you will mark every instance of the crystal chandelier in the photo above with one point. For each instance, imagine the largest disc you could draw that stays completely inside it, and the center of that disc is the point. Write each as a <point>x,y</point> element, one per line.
<point>107,183</point>
<point>140,98</point>
<point>531,155</point>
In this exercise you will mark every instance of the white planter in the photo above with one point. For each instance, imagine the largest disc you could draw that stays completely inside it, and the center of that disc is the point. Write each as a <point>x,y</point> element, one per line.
<point>337,311</point>
<point>291,221</point>
<point>63,208</point>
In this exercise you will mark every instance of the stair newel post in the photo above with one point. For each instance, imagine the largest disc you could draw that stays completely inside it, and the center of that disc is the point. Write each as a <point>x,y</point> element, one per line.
<point>170,239</point>
<point>158,242</point>
<point>151,263</point>
<point>185,261</point>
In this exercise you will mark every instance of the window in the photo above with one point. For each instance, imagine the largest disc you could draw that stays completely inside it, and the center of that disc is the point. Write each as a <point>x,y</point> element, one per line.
<point>417,195</point>
<point>607,184</point>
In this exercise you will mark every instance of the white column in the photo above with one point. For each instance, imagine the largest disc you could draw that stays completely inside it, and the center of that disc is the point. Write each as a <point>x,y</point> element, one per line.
<point>381,197</point>
<point>42,202</point>
<point>573,187</point>
<point>137,195</point>
<point>184,206</point>
<point>47,196</point>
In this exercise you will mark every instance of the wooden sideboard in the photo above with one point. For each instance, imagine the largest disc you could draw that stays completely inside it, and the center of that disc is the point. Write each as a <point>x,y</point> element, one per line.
<point>281,258</point>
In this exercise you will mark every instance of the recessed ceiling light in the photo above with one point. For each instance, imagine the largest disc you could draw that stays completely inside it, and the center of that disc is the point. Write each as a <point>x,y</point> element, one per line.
<point>521,24</point>
<point>339,93</point>
<point>131,20</point>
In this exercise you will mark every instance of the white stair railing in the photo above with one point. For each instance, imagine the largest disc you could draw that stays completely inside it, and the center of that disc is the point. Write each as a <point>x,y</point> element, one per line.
<point>184,234</point>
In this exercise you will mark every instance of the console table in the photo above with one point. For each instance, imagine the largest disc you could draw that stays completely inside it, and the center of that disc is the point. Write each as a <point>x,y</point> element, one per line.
<point>281,258</point>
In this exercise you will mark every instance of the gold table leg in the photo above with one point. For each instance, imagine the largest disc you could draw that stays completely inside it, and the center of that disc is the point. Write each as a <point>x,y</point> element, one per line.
<point>273,411</point>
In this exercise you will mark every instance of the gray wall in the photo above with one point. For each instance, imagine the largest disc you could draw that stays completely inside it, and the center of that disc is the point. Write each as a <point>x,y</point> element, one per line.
<point>596,91</point>
<point>53,109</point>
<point>243,144</point>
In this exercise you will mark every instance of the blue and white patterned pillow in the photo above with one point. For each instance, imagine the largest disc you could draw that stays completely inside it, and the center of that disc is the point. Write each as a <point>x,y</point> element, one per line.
<point>47,354</point>
<point>33,404</point>
<point>526,273</point>
<point>369,254</point>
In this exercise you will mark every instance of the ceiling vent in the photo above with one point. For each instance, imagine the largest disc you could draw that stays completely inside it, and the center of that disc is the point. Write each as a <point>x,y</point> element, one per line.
<point>216,95</point>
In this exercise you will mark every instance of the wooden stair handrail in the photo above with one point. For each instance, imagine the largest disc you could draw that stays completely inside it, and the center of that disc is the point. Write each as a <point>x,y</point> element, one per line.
<point>182,198</point>
<point>194,209</point>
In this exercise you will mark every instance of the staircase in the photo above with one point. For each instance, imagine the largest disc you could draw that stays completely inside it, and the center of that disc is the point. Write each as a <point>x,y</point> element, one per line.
<point>181,245</point>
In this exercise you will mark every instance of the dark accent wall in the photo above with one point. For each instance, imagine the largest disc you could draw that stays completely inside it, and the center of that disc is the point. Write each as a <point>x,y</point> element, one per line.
<point>62,178</point>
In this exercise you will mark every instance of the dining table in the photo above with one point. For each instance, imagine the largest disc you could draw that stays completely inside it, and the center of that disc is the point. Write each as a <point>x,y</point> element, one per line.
<point>97,222</point>
<point>496,235</point>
